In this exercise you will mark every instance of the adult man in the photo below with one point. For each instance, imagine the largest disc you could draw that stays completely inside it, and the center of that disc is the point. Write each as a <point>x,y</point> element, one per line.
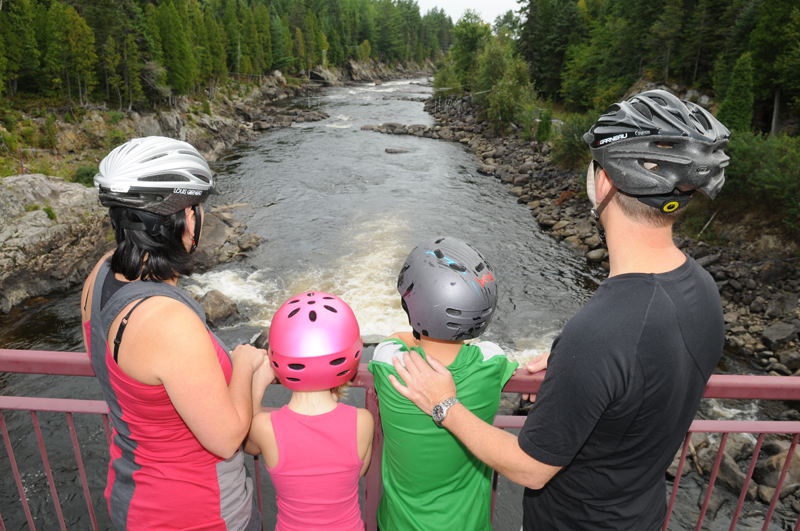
<point>626,374</point>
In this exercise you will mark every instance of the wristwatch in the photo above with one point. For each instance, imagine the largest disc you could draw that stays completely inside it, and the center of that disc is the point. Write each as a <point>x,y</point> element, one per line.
<point>440,409</point>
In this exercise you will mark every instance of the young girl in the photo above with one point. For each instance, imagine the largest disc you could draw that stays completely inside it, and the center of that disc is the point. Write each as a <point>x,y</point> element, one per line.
<point>315,449</point>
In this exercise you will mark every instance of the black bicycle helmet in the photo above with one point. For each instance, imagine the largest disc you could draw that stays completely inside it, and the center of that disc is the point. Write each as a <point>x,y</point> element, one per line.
<point>655,143</point>
<point>447,289</point>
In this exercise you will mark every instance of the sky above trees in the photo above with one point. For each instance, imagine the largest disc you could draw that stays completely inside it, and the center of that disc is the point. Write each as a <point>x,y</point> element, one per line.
<point>487,9</point>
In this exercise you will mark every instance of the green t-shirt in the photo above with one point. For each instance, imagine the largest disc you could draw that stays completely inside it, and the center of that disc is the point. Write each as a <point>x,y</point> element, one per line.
<point>430,479</point>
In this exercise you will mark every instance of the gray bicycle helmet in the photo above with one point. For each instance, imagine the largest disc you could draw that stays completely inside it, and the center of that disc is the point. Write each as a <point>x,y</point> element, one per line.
<point>447,289</point>
<point>655,143</point>
<point>155,174</point>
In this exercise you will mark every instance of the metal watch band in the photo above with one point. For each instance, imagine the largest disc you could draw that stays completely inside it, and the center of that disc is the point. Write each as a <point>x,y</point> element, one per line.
<point>443,406</point>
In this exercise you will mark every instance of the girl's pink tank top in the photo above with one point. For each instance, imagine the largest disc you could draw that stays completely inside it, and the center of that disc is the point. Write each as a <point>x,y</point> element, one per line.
<point>316,478</point>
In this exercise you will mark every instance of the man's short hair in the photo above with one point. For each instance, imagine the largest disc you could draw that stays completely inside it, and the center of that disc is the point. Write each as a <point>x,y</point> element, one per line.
<point>635,210</point>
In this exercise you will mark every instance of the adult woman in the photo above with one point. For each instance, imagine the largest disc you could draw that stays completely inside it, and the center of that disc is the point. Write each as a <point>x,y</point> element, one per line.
<point>180,404</point>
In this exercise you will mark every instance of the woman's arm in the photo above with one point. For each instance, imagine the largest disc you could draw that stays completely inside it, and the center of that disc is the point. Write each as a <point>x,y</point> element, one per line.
<point>365,424</point>
<point>165,343</point>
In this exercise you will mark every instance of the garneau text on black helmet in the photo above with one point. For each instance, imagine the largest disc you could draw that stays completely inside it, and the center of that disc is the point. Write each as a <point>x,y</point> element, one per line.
<point>156,177</point>
<point>448,290</point>
<point>655,144</point>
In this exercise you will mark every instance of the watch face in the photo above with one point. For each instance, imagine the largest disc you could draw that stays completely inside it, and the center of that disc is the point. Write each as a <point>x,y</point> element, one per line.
<point>438,413</point>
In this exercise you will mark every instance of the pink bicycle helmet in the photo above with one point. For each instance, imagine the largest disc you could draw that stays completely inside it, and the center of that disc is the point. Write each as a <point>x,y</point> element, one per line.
<point>315,342</point>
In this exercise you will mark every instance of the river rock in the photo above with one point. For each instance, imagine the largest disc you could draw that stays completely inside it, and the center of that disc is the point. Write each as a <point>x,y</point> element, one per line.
<point>392,150</point>
<point>715,501</point>
<point>369,127</point>
<point>739,446</point>
<point>782,304</point>
<point>707,260</point>
<point>525,167</point>
<point>222,242</point>
<point>768,471</point>
<point>42,253</point>
<point>596,256</point>
<point>220,309</point>
<point>261,126</point>
<point>779,334</point>
<point>729,474</point>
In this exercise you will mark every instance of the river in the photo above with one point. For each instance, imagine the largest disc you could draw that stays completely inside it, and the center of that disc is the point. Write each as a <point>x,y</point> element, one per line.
<point>338,214</point>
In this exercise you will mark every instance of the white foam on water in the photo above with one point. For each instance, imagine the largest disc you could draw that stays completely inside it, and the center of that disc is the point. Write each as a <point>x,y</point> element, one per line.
<point>338,126</point>
<point>529,347</point>
<point>344,117</point>
<point>721,411</point>
<point>249,291</point>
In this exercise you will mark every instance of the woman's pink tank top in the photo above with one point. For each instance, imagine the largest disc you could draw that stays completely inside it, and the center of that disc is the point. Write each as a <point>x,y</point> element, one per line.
<point>316,478</point>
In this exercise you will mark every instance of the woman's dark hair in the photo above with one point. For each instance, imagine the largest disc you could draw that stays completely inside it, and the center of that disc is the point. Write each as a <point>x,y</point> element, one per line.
<point>156,254</point>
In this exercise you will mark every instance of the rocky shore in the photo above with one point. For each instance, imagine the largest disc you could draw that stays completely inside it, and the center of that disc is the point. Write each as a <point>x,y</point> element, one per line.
<point>758,281</point>
<point>52,231</point>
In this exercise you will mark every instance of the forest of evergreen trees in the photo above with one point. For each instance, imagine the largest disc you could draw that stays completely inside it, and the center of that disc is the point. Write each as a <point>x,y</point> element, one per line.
<point>133,51</point>
<point>587,53</point>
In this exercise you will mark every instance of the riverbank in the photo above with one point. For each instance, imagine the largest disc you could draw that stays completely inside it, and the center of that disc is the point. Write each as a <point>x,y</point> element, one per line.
<point>53,231</point>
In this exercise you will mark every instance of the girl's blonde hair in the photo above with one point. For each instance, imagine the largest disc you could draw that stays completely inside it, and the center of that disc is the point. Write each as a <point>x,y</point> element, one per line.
<point>341,390</point>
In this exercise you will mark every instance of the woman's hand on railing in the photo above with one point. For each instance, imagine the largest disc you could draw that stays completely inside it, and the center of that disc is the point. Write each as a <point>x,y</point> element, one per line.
<point>537,363</point>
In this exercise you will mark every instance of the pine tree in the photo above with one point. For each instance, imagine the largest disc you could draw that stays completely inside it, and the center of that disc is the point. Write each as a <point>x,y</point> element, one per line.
<point>665,34</point>
<point>299,48</point>
<point>111,59</point>
<point>736,111</point>
<point>22,53</point>
<point>280,56</point>
<point>131,58</point>
<point>218,59</point>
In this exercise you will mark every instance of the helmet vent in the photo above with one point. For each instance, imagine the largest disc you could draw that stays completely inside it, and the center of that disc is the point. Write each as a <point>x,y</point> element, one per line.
<point>702,170</point>
<point>440,240</point>
<point>652,166</point>
<point>454,326</point>
<point>293,379</point>
<point>643,110</point>
<point>458,267</point>
<point>439,254</point>
<point>294,301</point>
<point>658,100</point>
<point>312,316</point>
<point>312,302</point>
<point>164,177</point>
<point>409,289</point>
<point>453,312</point>
<point>154,157</point>
<point>311,294</point>
<point>297,366</point>
<point>338,361</point>
<point>479,267</point>
<point>294,312</point>
<point>343,372</point>
<point>665,145</point>
<point>276,364</point>
<point>328,298</point>
<point>487,311</point>
<point>358,353</point>
<point>703,121</point>
<point>330,308</point>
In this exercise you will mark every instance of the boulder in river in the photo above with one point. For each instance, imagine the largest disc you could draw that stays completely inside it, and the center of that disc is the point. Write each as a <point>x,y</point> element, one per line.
<point>396,151</point>
<point>778,334</point>
<point>220,309</point>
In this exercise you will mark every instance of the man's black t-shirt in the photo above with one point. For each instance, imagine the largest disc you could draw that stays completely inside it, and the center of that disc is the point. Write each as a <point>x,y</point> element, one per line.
<point>623,383</point>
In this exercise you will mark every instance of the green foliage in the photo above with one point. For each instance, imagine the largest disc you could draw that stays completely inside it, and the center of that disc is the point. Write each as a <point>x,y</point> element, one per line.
<point>468,36</point>
<point>48,140</point>
<point>115,117</point>
<point>32,208</point>
<point>736,110</point>
<point>10,119</point>
<point>767,169</point>
<point>115,138</point>
<point>510,95</point>
<point>569,149</point>
<point>69,118</point>
<point>85,175</point>
<point>537,123</point>
<point>28,135</point>
<point>49,211</point>
<point>9,142</point>
<point>364,51</point>
<point>206,107</point>
<point>445,81</point>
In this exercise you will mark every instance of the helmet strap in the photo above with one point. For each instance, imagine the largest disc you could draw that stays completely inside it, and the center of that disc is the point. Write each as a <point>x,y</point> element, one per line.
<point>198,223</point>
<point>599,210</point>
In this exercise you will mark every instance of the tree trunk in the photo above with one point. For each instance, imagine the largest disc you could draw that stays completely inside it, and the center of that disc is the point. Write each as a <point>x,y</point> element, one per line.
<point>775,112</point>
<point>108,89</point>
<point>666,66</point>
<point>119,95</point>
<point>80,89</point>
<point>66,72</point>
<point>696,64</point>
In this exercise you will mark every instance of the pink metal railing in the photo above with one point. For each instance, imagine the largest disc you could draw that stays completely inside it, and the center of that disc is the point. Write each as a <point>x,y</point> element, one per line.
<point>78,364</point>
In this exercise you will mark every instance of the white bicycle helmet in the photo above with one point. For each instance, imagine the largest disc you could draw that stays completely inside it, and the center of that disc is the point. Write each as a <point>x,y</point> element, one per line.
<point>155,174</point>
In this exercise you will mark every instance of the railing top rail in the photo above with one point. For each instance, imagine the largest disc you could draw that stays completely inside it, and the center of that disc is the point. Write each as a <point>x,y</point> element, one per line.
<point>719,386</point>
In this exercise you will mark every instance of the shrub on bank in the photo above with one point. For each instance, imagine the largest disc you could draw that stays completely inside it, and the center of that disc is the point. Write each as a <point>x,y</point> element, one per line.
<point>445,81</point>
<point>569,149</point>
<point>766,169</point>
<point>85,175</point>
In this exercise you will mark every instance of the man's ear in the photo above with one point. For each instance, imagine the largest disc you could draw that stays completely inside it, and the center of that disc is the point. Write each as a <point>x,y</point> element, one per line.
<point>603,184</point>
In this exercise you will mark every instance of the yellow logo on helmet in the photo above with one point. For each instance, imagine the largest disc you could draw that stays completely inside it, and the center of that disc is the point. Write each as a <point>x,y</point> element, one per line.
<point>672,206</point>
